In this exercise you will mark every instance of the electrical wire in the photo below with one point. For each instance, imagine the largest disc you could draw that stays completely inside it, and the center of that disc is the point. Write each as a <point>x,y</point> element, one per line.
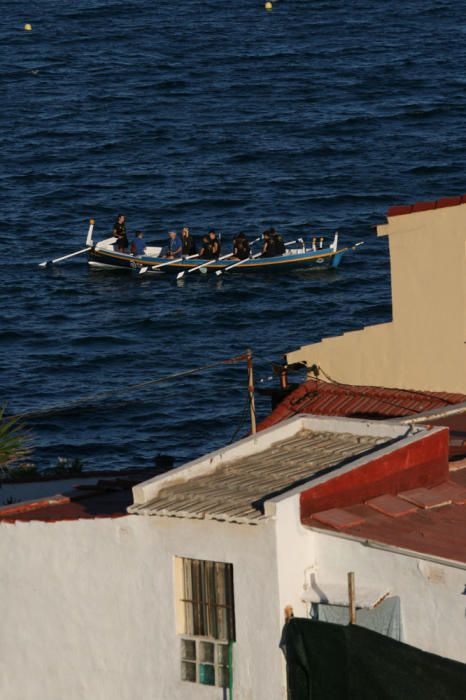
<point>243,418</point>
<point>62,408</point>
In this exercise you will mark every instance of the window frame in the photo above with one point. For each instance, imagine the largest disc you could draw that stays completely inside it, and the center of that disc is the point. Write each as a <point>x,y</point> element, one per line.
<point>205,599</point>
<point>205,620</point>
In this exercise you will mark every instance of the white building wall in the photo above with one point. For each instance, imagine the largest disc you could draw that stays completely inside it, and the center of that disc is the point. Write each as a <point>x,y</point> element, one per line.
<point>87,609</point>
<point>432,594</point>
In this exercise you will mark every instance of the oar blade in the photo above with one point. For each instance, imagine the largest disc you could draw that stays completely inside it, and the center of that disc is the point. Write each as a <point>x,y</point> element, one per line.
<point>143,270</point>
<point>180,275</point>
<point>48,263</point>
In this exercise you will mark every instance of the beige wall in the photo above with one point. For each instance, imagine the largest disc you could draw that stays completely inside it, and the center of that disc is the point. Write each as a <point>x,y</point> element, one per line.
<point>424,347</point>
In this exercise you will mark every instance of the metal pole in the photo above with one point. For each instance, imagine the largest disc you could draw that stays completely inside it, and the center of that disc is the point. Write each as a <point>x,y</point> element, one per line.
<point>352,598</point>
<point>230,670</point>
<point>252,406</point>
<point>283,377</point>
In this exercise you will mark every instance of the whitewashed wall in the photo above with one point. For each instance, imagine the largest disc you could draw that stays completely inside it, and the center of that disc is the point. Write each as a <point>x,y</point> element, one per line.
<point>87,609</point>
<point>433,604</point>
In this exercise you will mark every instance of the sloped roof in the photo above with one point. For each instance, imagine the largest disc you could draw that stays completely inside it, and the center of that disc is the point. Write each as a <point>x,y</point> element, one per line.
<point>324,398</point>
<point>104,498</point>
<point>236,490</point>
<point>425,520</point>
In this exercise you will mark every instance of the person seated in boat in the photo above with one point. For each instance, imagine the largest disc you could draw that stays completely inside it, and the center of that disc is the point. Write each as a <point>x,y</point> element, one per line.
<point>241,247</point>
<point>278,243</point>
<point>174,246</point>
<point>268,247</point>
<point>188,244</point>
<point>204,250</point>
<point>214,244</point>
<point>138,246</point>
<point>119,232</point>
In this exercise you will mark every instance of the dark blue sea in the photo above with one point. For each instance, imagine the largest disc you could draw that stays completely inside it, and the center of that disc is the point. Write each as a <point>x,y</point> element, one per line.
<point>314,117</point>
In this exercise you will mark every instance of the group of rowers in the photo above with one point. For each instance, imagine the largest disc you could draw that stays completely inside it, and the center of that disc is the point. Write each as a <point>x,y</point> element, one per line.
<point>185,245</point>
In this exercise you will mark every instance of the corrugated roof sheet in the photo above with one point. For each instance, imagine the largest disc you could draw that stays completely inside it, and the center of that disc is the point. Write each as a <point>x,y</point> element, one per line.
<point>437,530</point>
<point>237,490</point>
<point>324,398</point>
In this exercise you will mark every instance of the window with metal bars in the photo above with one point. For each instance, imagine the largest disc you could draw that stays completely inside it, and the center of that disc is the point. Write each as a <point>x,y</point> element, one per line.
<point>208,599</point>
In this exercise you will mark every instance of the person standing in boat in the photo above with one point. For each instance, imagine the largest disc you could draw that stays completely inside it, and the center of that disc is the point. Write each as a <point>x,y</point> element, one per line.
<point>241,247</point>
<point>119,232</point>
<point>187,242</point>
<point>138,246</point>
<point>174,247</point>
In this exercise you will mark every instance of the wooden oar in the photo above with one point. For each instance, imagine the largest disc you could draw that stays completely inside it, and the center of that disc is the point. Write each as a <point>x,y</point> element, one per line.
<point>219,272</point>
<point>241,262</point>
<point>170,262</point>
<point>47,263</point>
<point>200,267</point>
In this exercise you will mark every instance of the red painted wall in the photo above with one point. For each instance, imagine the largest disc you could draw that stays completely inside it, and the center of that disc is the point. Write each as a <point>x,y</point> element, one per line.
<point>422,463</point>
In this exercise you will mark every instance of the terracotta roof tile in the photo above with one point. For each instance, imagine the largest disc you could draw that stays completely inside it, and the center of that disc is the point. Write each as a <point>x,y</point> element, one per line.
<point>452,491</point>
<point>425,498</point>
<point>400,210</point>
<point>338,518</point>
<point>449,202</point>
<point>423,206</point>
<point>391,505</point>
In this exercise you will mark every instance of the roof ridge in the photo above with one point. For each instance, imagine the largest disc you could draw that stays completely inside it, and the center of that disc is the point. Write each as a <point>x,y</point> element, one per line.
<point>401,209</point>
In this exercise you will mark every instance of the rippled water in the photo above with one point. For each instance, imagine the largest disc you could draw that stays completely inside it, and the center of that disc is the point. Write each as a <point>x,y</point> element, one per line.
<point>312,117</point>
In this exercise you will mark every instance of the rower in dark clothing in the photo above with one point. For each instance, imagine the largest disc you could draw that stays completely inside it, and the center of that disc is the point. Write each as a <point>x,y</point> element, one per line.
<point>278,243</point>
<point>210,248</point>
<point>205,248</point>
<point>241,248</point>
<point>268,248</point>
<point>119,232</point>
<point>214,244</point>
<point>188,244</point>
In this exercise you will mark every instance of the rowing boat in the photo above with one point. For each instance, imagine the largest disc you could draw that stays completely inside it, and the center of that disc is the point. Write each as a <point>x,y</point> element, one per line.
<point>103,255</point>
<point>314,256</point>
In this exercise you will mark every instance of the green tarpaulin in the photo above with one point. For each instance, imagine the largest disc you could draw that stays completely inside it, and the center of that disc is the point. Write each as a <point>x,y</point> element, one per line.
<point>330,662</point>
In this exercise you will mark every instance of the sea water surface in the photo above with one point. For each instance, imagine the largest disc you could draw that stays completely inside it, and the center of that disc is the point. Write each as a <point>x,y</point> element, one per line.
<point>313,117</point>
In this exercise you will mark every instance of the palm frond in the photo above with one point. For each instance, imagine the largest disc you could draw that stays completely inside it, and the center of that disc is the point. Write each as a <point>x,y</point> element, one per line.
<point>14,440</point>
